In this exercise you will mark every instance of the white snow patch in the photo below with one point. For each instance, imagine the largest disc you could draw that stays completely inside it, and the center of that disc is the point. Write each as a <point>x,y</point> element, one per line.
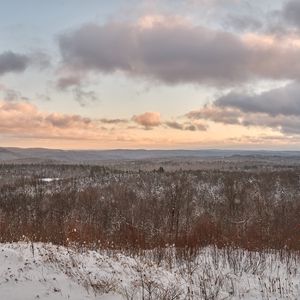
<point>44,271</point>
<point>49,179</point>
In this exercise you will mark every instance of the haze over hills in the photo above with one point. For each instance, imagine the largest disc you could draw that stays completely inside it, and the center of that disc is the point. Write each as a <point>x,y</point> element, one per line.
<point>36,155</point>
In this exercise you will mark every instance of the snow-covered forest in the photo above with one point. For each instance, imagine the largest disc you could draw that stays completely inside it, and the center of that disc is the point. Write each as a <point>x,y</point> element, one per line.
<point>85,232</point>
<point>102,207</point>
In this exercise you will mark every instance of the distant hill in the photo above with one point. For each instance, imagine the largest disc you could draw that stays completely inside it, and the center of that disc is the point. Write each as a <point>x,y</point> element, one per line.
<point>43,155</point>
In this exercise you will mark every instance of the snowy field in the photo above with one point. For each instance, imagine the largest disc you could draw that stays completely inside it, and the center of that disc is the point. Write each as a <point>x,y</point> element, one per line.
<point>43,271</point>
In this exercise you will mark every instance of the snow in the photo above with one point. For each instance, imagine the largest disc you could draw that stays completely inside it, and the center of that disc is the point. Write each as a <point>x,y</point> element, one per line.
<point>36,272</point>
<point>44,271</point>
<point>49,179</point>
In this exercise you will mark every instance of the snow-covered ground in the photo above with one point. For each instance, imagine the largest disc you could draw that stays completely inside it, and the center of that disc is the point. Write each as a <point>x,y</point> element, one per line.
<point>48,179</point>
<point>43,271</point>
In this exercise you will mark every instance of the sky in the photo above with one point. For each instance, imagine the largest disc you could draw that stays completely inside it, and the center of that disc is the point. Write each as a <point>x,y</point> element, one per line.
<point>151,74</point>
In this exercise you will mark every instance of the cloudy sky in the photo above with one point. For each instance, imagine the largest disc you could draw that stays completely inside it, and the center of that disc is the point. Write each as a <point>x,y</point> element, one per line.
<point>151,74</point>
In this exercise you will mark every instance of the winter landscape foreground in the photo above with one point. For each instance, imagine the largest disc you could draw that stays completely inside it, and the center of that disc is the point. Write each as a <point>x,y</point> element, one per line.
<point>151,230</point>
<point>44,271</point>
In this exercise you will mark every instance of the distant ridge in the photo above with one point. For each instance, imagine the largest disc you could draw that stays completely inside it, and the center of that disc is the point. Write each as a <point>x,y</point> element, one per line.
<point>43,155</point>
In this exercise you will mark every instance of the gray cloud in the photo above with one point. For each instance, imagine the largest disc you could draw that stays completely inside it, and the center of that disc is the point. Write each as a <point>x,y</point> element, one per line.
<point>175,53</point>
<point>243,22</point>
<point>291,12</point>
<point>11,95</point>
<point>216,114</point>
<point>191,127</point>
<point>107,48</point>
<point>66,82</point>
<point>74,84</point>
<point>279,101</point>
<point>175,125</point>
<point>233,116</point>
<point>84,97</point>
<point>13,62</point>
<point>278,109</point>
<point>149,120</point>
<point>113,121</point>
<point>185,126</point>
<point>285,124</point>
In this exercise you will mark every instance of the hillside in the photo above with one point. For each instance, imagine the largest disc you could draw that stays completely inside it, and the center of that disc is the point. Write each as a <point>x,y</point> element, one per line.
<point>43,155</point>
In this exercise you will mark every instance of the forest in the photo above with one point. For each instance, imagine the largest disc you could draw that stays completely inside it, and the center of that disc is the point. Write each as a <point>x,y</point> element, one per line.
<point>101,207</point>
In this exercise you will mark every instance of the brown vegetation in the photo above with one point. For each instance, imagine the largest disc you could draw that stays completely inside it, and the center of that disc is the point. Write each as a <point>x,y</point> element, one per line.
<point>100,207</point>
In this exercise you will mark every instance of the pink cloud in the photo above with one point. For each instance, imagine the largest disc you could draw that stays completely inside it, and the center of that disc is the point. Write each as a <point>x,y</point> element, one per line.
<point>148,119</point>
<point>24,119</point>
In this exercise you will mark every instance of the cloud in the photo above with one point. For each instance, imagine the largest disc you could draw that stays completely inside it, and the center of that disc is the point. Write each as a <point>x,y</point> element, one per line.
<point>175,125</point>
<point>12,95</point>
<point>200,127</point>
<point>279,101</point>
<point>291,12</point>
<point>170,50</point>
<point>191,127</point>
<point>216,114</point>
<point>23,119</point>
<point>243,22</point>
<point>66,82</point>
<point>113,121</point>
<point>285,20</point>
<point>154,48</point>
<point>186,126</point>
<point>22,123</point>
<point>66,121</point>
<point>148,119</point>
<point>84,97</point>
<point>107,48</point>
<point>13,62</point>
<point>76,86</point>
<point>277,109</point>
